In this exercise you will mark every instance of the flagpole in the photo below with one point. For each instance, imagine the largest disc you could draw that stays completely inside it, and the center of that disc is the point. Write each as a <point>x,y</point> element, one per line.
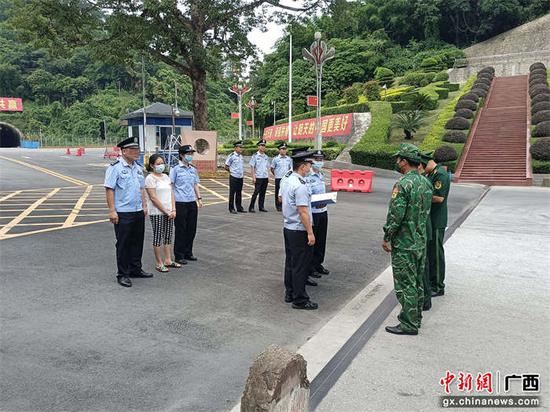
<point>290,92</point>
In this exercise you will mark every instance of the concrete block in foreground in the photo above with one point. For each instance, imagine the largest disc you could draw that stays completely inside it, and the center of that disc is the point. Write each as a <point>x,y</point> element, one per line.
<point>277,382</point>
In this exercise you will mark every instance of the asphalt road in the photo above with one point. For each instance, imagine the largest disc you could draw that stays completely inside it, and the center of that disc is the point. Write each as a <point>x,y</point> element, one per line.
<point>72,339</point>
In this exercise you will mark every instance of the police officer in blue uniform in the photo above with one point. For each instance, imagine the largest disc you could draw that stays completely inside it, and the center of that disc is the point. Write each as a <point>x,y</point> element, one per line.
<point>259,166</point>
<point>125,191</point>
<point>298,232</point>
<point>280,165</point>
<point>316,182</point>
<point>185,181</point>
<point>235,166</point>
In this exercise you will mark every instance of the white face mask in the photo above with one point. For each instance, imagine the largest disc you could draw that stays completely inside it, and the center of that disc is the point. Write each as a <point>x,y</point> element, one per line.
<point>318,164</point>
<point>159,168</point>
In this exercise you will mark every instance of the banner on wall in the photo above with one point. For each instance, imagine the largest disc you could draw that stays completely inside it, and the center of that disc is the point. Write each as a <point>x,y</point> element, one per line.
<point>331,125</point>
<point>11,104</point>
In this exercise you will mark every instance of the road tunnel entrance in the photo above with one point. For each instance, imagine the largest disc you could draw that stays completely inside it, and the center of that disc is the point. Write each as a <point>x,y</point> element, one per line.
<point>10,136</point>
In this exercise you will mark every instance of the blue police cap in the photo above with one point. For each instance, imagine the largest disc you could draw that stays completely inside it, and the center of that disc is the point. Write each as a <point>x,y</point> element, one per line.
<point>131,142</point>
<point>186,148</point>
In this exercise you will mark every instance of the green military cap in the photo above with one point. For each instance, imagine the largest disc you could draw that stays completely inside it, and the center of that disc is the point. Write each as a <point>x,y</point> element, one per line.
<point>425,157</point>
<point>408,151</point>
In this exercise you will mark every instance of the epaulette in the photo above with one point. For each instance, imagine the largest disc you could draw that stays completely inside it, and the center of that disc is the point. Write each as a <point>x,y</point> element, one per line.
<point>302,181</point>
<point>287,174</point>
<point>115,162</point>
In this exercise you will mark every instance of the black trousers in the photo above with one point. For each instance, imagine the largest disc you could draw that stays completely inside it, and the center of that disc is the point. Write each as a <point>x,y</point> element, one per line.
<point>259,189</point>
<point>278,205</point>
<point>320,226</point>
<point>185,229</point>
<point>129,232</point>
<point>297,264</point>
<point>235,193</point>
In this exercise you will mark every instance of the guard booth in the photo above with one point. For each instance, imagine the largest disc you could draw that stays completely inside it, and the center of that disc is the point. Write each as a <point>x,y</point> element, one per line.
<point>156,135</point>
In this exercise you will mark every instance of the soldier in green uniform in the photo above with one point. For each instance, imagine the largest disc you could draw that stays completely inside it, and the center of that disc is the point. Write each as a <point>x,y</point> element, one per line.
<point>405,238</point>
<point>436,254</point>
<point>425,157</point>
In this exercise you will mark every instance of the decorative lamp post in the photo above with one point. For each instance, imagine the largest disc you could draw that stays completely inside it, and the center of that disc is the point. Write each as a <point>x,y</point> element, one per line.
<point>240,90</point>
<point>318,54</point>
<point>274,112</point>
<point>252,105</point>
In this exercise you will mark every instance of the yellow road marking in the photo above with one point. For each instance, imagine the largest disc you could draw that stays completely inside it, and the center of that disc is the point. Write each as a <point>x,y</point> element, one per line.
<point>25,213</point>
<point>47,171</point>
<point>227,186</point>
<point>51,229</point>
<point>10,195</point>
<point>40,224</point>
<point>214,193</point>
<point>77,207</point>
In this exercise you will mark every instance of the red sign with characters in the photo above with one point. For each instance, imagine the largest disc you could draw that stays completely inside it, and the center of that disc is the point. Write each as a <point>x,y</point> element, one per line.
<point>332,125</point>
<point>234,115</point>
<point>11,104</point>
<point>312,101</point>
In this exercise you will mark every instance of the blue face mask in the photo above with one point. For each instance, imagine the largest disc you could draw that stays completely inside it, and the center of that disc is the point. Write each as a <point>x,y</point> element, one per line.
<point>318,164</point>
<point>159,168</point>
<point>188,158</point>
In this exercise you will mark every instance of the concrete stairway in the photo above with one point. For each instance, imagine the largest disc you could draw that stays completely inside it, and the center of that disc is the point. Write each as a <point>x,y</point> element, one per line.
<point>496,152</point>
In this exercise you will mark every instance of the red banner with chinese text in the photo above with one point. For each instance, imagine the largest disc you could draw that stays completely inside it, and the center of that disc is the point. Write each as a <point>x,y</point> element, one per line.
<point>11,104</point>
<point>332,125</point>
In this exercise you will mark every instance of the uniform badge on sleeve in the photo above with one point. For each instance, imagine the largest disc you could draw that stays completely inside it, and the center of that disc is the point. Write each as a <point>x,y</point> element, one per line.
<point>437,185</point>
<point>394,192</point>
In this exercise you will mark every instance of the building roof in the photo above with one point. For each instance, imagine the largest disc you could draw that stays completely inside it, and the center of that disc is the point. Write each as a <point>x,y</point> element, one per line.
<point>158,110</point>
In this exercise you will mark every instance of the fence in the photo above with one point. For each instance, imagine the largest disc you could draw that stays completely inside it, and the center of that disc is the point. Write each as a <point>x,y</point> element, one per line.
<point>60,141</point>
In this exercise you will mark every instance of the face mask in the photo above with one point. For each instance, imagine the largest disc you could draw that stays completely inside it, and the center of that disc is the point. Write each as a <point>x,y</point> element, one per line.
<point>318,164</point>
<point>397,167</point>
<point>188,158</point>
<point>159,168</point>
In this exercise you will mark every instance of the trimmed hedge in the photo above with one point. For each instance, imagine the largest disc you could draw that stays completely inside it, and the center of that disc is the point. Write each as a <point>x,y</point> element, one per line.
<point>417,79</point>
<point>539,71</point>
<point>441,77</point>
<point>466,104</point>
<point>400,106</point>
<point>538,89</point>
<point>542,116</point>
<point>455,136</point>
<point>540,150</point>
<point>452,87</point>
<point>479,92</point>
<point>541,166</point>
<point>373,149</point>
<point>539,107</point>
<point>542,129</point>
<point>543,97</point>
<point>485,75</point>
<point>488,69</point>
<point>470,96</point>
<point>445,154</point>
<point>482,86</point>
<point>537,80</point>
<point>457,123</point>
<point>464,113</point>
<point>342,109</point>
<point>537,65</point>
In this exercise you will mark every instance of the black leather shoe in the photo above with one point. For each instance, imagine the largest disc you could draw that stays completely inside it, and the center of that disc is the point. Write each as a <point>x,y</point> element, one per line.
<point>241,211</point>
<point>436,294</point>
<point>314,275</point>
<point>396,330</point>
<point>427,306</point>
<point>191,258</point>
<point>322,270</point>
<point>142,274</point>
<point>279,209</point>
<point>233,212</point>
<point>181,261</point>
<point>251,211</point>
<point>305,306</point>
<point>263,210</point>
<point>309,282</point>
<point>124,281</point>
<point>288,298</point>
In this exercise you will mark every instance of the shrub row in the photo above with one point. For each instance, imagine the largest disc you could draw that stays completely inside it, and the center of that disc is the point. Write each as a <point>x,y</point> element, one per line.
<point>373,149</point>
<point>540,100</point>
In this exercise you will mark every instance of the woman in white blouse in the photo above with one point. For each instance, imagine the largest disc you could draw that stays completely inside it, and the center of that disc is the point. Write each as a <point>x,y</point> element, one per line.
<point>162,212</point>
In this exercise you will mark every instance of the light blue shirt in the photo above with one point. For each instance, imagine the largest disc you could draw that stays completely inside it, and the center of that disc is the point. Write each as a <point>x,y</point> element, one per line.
<point>316,184</point>
<point>184,178</point>
<point>281,165</point>
<point>295,193</point>
<point>260,162</point>
<point>127,182</point>
<point>236,165</point>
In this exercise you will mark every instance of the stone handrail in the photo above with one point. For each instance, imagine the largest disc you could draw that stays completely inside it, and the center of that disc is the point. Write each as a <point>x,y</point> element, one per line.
<point>501,58</point>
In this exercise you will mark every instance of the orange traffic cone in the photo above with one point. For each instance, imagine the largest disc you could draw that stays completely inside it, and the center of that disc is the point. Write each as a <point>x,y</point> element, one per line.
<point>78,152</point>
<point>68,152</point>
<point>83,150</point>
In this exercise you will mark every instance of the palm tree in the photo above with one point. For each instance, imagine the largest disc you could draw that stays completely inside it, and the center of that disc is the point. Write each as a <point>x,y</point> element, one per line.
<point>410,121</point>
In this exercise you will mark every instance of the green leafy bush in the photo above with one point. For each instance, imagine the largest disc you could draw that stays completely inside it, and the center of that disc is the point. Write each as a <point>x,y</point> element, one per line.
<point>331,99</point>
<point>445,154</point>
<point>541,106</point>
<point>464,113</point>
<point>466,104</point>
<point>540,150</point>
<point>373,148</point>
<point>542,116</point>
<point>457,123</point>
<point>431,64</point>
<point>372,91</point>
<point>452,87</point>
<point>384,76</point>
<point>400,106</point>
<point>441,77</point>
<point>410,121</point>
<point>351,94</point>
<point>417,79</point>
<point>455,136</point>
<point>542,130</point>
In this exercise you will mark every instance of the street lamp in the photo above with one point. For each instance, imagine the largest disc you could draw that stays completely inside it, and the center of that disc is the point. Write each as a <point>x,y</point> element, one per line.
<point>318,54</point>
<point>240,90</point>
<point>252,104</point>
<point>274,112</point>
